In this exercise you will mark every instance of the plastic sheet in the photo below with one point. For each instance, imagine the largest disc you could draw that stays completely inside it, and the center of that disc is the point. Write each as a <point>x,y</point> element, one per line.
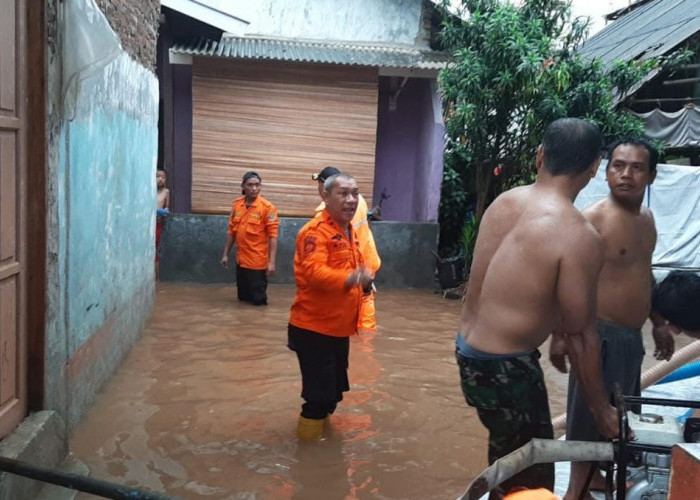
<point>89,45</point>
<point>677,129</point>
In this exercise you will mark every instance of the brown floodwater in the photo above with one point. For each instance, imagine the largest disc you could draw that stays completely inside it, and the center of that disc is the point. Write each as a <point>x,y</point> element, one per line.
<point>206,405</point>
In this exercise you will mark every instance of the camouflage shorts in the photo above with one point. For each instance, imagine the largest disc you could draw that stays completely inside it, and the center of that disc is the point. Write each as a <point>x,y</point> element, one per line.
<point>510,398</point>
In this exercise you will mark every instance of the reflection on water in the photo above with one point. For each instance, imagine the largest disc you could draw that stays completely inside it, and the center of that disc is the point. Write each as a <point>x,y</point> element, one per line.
<point>206,404</point>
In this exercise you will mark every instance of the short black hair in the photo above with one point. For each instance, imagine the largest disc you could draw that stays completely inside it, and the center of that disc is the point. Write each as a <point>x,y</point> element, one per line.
<point>250,175</point>
<point>570,146</point>
<point>636,141</point>
<point>677,299</point>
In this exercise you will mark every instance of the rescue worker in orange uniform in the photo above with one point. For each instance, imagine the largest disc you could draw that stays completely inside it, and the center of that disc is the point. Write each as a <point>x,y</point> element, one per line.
<point>252,227</point>
<point>368,319</point>
<point>331,279</point>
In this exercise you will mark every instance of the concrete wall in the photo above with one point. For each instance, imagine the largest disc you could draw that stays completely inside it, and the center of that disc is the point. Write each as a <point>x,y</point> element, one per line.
<point>101,195</point>
<point>394,21</point>
<point>409,157</point>
<point>192,246</point>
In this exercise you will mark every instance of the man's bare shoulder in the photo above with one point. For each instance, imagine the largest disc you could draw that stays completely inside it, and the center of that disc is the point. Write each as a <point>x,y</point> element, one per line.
<point>507,201</point>
<point>649,223</point>
<point>595,212</point>
<point>647,215</point>
<point>580,234</point>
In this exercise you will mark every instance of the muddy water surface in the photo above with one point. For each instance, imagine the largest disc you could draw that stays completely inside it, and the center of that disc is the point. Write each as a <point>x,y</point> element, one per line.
<point>205,405</point>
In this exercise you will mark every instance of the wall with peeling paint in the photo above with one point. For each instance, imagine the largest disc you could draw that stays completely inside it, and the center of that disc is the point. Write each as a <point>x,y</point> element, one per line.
<point>103,131</point>
<point>394,21</point>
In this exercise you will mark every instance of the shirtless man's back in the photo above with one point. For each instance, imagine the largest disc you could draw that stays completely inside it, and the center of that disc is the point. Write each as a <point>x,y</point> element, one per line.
<point>512,302</point>
<point>535,268</point>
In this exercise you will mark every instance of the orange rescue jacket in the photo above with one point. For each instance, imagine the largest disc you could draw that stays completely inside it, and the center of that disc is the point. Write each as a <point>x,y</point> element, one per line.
<point>252,228</point>
<point>323,258</point>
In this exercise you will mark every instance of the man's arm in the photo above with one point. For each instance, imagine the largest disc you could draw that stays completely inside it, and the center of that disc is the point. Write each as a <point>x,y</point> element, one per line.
<point>272,223</point>
<point>230,241</point>
<point>576,290</point>
<point>557,351</point>
<point>663,332</point>
<point>230,237</point>
<point>272,258</point>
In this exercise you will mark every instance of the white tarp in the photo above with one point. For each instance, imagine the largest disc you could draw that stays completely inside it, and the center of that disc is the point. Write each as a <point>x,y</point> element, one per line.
<point>674,199</point>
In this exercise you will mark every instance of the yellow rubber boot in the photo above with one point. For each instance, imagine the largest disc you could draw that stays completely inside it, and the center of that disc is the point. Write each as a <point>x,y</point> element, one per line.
<point>310,428</point>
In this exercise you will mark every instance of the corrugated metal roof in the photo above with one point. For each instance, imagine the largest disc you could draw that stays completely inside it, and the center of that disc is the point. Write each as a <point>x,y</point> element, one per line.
<point>648,31</point>
<point>330,52</point>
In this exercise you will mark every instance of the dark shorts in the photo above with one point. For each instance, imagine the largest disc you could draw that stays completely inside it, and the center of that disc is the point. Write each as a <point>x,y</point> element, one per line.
<point>159,233</point>
<point>510,397</point>
<point>622,352</point>
<point>252,285</point>
<point>323,361</point>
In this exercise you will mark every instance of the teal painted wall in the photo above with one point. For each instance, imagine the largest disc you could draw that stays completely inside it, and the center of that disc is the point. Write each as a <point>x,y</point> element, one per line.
<point>103,146</point>
<point>111,216</point>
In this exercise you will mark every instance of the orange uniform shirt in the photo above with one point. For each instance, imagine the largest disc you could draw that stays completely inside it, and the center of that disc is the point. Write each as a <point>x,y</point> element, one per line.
<point>323,258</point>
<point>364,234</point>
<point>253,227</point>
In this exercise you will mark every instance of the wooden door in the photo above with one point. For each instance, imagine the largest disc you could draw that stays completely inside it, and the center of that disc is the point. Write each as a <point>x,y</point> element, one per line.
<point>13,83</point>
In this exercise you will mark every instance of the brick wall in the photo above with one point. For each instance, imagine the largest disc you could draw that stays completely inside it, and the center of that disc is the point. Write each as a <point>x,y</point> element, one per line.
<point>136,23</point>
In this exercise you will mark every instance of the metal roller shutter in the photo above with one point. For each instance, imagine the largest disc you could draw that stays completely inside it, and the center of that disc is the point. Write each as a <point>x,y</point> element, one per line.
<point>283,120</point>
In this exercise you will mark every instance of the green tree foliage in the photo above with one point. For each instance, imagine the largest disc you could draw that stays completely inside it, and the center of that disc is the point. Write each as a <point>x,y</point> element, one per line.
<point>515,70</point>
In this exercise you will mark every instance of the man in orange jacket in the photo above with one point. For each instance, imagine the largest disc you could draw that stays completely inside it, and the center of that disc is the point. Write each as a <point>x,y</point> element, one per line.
<point>252,227</point>
<point>367,320</point>
<point>331,279</point>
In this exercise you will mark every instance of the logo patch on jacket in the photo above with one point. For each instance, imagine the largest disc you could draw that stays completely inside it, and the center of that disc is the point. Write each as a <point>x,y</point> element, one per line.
<point>309,245</point>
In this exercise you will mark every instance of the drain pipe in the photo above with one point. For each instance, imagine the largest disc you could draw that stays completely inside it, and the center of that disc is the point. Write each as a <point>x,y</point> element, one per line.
<point>71,481</point>
<point>537,451</point>
<point>653,374</point>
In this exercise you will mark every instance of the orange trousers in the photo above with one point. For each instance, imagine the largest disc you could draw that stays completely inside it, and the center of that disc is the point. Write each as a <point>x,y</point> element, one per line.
<point>367,320</point>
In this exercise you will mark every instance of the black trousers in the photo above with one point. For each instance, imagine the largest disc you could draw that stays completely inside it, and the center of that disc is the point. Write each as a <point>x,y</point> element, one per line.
<point>252,285</point>
<point>323,361</point>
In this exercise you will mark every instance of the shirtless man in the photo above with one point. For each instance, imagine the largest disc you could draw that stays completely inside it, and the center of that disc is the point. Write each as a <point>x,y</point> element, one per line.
<point>535,269</point>
<point>162,204</point>
<point>624,292</point>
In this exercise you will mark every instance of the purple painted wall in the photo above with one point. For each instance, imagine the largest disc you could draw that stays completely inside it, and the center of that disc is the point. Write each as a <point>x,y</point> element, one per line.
<point>409,151</point>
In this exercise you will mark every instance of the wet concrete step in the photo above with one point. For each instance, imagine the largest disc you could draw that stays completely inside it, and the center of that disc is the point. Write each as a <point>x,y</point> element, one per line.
<point>69,464</point>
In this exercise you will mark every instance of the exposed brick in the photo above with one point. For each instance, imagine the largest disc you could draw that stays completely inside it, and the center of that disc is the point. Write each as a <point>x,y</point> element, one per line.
<point>136,23</point>
<point>685,472</point>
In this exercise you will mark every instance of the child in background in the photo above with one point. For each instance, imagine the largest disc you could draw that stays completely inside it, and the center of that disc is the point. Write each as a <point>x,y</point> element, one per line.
<point>162,210</point>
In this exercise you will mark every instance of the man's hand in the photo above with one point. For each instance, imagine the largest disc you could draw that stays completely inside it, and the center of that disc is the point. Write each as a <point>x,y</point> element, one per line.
<point>360,276</point>
<point>663,340</point>
<point>224,261</point>
<point>608,423</point>
<point>557,352</point>
<point>270,269</point>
